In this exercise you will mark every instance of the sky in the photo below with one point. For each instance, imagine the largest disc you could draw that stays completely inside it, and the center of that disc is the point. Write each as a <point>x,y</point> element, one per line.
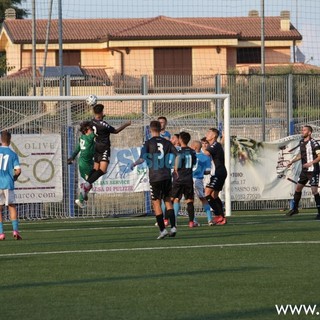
<point>305,14</point>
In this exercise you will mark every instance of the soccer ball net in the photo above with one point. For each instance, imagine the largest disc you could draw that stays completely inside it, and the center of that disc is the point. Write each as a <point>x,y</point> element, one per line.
<point>45,134</point>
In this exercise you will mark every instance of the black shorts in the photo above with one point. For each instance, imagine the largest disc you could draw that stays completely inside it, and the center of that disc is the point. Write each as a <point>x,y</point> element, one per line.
<point>101,153</point>
<point>217,182</point>
<point>160,190</point>
<point>306,176</point>
<point>179,190</point>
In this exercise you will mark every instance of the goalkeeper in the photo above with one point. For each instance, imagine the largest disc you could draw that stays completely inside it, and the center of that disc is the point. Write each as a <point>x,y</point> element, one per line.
<point>85,149</point>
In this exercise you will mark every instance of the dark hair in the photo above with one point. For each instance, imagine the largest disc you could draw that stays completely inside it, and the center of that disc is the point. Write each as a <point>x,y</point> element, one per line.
<point>204,139</point>
<point>5,137</point>
<point>309,128</point>
<point>155,126</point>
<point>85,126</point>
<point>163,118</point>
<point>98,108</point>
<point>215,131</point>
<point>177,135</point>
<point>185,137</point>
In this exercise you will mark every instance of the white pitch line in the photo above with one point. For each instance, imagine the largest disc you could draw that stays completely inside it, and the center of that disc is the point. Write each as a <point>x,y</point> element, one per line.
<point>228,245</point>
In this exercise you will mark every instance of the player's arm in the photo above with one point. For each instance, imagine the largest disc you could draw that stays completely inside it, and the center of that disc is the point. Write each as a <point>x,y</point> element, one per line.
<point>177,164</point>
<point>295,159</point>
<point>74,154</point>
<point>316,160</point>
<point>140,159</point>
<point>123,126</point>
<point>207,167</point>
<point>17,172</point>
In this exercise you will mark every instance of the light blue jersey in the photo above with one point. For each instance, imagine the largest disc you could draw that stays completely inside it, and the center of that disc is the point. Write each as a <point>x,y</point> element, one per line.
<point>165,135</point>
<point>203,165</point>
<point>8,162</point>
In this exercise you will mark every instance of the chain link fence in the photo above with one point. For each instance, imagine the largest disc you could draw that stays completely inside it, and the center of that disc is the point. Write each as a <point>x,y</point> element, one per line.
<point>264,108</point>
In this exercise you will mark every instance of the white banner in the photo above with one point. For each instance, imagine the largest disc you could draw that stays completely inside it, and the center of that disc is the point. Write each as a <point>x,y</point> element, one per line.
<point>119,177</point>
<point>259,170</point>
<point>41,167</point>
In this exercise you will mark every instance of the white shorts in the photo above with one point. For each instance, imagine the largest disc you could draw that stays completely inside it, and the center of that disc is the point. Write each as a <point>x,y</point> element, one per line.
<point>198,187</point>
<point>6,197</point>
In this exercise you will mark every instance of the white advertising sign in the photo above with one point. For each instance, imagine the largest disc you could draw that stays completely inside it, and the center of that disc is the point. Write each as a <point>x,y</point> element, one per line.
<point>41,168</point>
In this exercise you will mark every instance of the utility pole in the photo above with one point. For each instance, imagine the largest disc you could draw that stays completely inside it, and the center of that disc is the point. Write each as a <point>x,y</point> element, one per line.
<point>34,50</point>
<point>263,89</point>
<point>60,46</point>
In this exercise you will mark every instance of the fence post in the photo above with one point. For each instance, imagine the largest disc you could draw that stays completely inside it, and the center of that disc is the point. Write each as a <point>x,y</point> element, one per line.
<point>218,102</point>
<point>144,106</point>
<point>290,120</point>
<point>70,137</point>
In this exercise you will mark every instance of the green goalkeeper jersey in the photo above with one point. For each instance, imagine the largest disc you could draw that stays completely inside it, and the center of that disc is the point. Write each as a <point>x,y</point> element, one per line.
<point>85,148</point>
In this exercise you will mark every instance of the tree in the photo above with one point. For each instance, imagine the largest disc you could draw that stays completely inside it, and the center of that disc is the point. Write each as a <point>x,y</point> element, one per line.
<point>6,4</point>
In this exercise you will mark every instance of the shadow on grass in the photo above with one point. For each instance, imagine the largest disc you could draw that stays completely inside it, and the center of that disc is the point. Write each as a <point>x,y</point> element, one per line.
<point>165,275</point>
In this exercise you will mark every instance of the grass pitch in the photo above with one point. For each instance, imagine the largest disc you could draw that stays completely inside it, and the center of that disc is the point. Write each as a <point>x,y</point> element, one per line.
<point>116,269</point>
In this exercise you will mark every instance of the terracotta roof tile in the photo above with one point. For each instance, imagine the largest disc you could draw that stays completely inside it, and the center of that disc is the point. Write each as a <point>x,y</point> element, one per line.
<point>164,27</point>
<point>96,30</point>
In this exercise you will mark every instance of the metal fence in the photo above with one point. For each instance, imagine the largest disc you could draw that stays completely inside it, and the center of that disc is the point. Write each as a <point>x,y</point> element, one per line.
<point>262,107</point>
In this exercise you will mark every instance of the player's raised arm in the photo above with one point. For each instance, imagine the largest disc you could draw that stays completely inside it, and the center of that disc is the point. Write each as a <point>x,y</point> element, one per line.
<point>123,126</point>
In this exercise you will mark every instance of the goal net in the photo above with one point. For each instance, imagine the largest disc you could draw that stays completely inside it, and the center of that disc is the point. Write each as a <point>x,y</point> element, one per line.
<point>46,131</point>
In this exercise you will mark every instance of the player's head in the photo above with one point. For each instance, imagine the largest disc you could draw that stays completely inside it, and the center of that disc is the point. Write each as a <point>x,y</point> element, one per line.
<point>306,131</point>
<point>184,138</point>
<point>85,126</point>
<point>212,134</point>
<point>5,138</point>
<point>98,109</point>
<point>155,127</point>
<point>175,139</point>
<point>163,121</point>
<point>196,145</point>
<point>204,142</point>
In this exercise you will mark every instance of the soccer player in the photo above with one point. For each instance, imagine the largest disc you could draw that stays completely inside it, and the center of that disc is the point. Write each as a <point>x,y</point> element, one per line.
<point>158,153</point>
<point>175,140</point>
<point>182,176</point>
<point>164,133</point>
<point>217,179</point>
<point>202,168</point>
<point>9,173</point>
<point>85,149</point>
<point>102,131</point>
<point>309,156</point>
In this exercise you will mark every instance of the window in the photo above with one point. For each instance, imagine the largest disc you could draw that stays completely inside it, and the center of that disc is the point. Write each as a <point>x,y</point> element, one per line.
<point>70,58</point>
<point>173,67</point>
<point>248,55</point>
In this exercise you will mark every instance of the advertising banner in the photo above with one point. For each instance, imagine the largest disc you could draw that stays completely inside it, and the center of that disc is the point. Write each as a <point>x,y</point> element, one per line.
<point>41,166</point>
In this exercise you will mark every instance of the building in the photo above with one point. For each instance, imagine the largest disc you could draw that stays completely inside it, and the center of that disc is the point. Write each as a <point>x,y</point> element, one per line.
<point>153,46</point>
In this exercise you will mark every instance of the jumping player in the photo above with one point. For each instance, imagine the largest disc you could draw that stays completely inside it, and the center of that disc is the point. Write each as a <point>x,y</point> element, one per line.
<point>158,153</point>
<point>85,149</point>
<point>102,131</point>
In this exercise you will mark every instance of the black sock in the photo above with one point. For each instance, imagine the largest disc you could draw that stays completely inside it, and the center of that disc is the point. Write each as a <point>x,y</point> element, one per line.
<point>296,198</point>
<point>171,217</point>
<point>95,176</point>
<point>220,205</point>
<point>160,222</point>
<point>166,214</point>
<point>214,205</point>
<point>317,200</point>
<point>190,210</point>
